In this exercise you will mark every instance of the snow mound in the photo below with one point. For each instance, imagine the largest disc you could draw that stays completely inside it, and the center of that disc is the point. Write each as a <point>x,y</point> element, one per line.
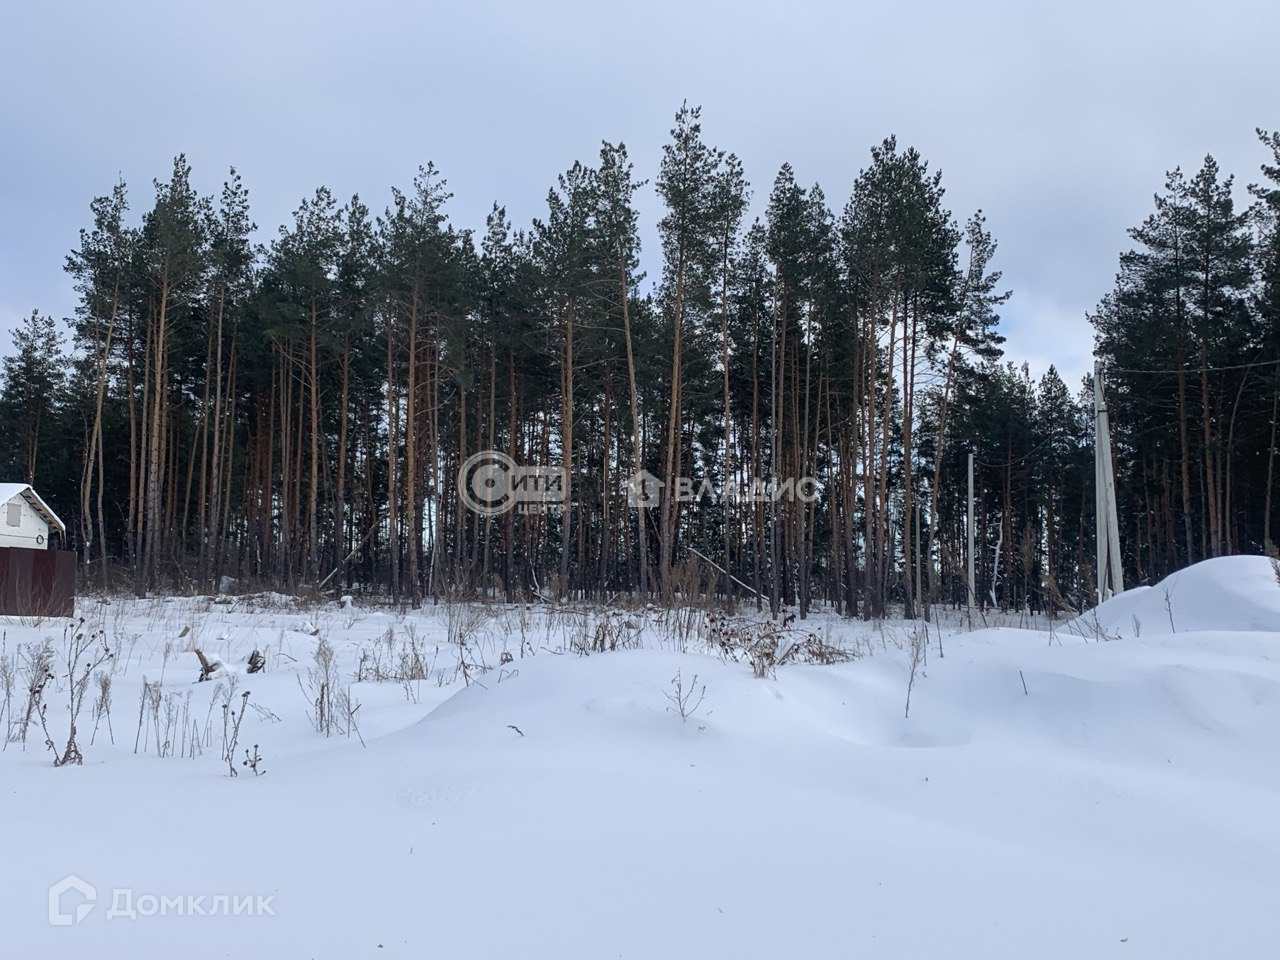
<point>1226,593</point>
<point>629,700</point>
<point>1047,796</point>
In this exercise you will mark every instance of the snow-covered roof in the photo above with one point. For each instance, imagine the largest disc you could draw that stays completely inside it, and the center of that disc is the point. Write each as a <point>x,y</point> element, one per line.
<point>10,490</point>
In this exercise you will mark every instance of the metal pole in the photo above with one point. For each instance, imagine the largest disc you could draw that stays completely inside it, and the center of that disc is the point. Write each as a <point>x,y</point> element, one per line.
<point>971,586</point>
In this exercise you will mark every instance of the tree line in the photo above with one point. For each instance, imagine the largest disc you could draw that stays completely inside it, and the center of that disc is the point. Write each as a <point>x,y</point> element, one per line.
<point>1191,337</point>
<point>296,415</point>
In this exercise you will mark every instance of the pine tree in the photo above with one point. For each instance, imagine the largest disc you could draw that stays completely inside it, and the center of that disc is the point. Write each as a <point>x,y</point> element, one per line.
<point>34,382</point>
<point>100,267</point>
<point>688,232</point>
<point>617,220</point>
<point>567,258</point>
<point>1175,332</point>
<point>299,296</point>
<point>231,283</point>
<point>173,260</point>
<point>1266,215</point>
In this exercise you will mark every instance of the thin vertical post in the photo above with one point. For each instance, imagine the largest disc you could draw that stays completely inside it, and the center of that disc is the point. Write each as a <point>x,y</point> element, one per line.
<point>920,604</point>
<point>1110,568</point>
<point>1099,495</point>
<point>972,586</point>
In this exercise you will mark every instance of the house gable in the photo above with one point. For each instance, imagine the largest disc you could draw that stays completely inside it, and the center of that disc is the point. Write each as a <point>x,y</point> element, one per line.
<point>25,519</point>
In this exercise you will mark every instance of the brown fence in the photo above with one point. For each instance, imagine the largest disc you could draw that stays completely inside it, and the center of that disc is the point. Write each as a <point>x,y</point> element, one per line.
<point>37,583</point>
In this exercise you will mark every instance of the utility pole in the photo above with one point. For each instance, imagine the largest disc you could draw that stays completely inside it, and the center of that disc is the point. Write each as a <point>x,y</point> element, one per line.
<point>1110,571</point>
<point>920,604</point>
<point>972,586</point>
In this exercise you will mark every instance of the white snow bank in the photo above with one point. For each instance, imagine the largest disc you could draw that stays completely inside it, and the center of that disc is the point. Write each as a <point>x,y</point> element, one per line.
<point>1226,593</point>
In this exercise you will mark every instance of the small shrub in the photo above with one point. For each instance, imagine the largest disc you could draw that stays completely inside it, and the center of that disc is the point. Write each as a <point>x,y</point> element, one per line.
<point>85,651</point>
<point>331,708</point>
<point>231,720</point>
<point>35,670</point>
<point>253,761</point>
<point>682,698</point>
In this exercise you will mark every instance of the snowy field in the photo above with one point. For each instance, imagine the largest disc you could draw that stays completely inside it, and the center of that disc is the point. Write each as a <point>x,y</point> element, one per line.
<point>464,781</point>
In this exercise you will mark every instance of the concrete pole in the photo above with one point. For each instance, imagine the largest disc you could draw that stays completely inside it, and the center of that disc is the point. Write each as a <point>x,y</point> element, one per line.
<point>1110,568</point>
<point>1099,495</point>
<point>972,586</point>
<point>920,604</point>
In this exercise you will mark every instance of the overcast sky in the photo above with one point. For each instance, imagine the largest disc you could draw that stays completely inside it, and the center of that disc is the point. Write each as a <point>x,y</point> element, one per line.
<point>1058,123</point>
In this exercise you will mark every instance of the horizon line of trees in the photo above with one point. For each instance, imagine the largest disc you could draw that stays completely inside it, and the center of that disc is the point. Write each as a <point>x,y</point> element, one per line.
<point>295,415</point>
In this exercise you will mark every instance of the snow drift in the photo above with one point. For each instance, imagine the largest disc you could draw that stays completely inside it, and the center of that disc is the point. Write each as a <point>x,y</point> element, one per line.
<point>1225,593</point>
<point>1047,796</point>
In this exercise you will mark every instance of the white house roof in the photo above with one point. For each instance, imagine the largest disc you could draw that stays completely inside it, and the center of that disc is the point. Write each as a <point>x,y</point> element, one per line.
<point>10,490</point>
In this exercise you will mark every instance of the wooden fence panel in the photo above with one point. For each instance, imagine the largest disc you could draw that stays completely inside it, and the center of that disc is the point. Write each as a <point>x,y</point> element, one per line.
<point>37,583</point>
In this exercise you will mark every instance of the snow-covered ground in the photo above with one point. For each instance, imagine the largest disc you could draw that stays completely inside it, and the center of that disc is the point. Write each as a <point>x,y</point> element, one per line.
<point>1108,788</point>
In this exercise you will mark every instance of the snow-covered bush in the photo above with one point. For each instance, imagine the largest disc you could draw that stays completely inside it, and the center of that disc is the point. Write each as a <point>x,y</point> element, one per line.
<point>767,644</point>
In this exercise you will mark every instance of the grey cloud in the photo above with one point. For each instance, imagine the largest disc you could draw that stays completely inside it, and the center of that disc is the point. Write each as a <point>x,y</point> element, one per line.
<point>1059,123</point>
